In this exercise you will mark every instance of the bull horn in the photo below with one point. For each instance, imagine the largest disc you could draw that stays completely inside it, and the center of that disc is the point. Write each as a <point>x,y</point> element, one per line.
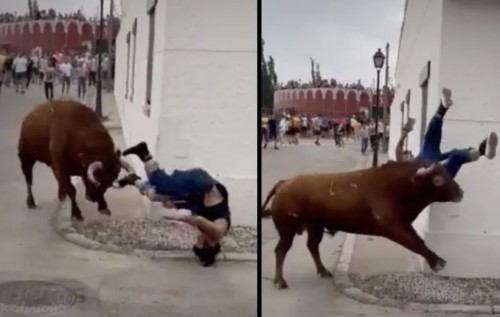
<point>426,170</point>
<point>127,166</point>
<point>91,170</point>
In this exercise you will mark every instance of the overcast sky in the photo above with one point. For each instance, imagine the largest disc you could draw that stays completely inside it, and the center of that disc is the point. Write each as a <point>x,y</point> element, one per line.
<point>66,6</point>
<point>341,35</point>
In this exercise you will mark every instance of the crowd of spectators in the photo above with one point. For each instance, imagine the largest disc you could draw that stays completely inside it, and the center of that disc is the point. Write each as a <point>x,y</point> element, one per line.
<point>49,14</point>
<point>332,83</point>
<point>325,83</point>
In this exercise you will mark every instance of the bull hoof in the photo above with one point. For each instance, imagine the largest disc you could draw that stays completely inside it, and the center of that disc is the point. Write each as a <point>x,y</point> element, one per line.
<point>439,265</point>
<point>280,284</point>
<point>324,273</point>
<point>77,217</point>
<point>30,202</point>
<point>105,211</point>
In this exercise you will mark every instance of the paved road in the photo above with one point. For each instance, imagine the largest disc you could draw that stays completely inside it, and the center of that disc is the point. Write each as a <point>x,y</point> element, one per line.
<point>309,295</point>
<point>113,285</point>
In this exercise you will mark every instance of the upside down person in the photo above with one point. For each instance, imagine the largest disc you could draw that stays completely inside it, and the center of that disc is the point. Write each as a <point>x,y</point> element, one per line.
<point>194,190</point>
<point>454,159</point>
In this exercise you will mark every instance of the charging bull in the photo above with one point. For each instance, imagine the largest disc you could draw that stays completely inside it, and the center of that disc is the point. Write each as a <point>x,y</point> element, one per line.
<point>381,201</point>
<point>69,138</point>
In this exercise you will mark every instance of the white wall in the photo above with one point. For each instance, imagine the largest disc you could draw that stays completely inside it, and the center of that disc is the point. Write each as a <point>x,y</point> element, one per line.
<point>460,39</point>
<point>468,234</point>
<point>420,42</point>
<point>204,102</point>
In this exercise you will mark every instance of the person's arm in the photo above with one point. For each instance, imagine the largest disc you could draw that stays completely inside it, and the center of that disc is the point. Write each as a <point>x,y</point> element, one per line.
<point>400,146</point>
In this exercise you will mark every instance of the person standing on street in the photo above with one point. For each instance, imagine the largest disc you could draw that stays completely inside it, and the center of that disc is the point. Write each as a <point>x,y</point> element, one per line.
<point>364,135</point>
<point>92,71</point>
<point>65,69</point>
<point>50,77</point>
<point>20,68</point>
<point>316,125</point>
<point>82,73</point>
<point>273,130</point>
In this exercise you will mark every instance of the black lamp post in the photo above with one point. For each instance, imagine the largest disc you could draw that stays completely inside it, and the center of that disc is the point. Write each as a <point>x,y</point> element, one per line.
<point>98,100</point>
<point>378,61</point>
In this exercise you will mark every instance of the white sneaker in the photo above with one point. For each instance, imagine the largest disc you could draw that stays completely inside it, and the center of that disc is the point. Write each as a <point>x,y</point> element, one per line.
<point>491,145</point>
<point>446,97</point>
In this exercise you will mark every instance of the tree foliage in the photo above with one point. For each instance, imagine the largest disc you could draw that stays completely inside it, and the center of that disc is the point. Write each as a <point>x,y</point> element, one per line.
<point>269,79</point>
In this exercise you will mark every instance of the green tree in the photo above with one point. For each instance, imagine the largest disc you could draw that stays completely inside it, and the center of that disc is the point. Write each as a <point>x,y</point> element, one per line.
<point>269,79</point>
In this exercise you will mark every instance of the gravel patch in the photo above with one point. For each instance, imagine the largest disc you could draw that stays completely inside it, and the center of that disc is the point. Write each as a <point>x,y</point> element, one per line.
<point>149,234</point>
<point>430,289</point>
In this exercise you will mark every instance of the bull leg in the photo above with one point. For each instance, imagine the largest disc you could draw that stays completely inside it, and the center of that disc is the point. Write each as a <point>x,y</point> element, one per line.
<point>102,207</point>
<point>282,248</point>
<point>408,238</point>
<point>314,237</point>
<point>67,188</point>
<point>27,166</point>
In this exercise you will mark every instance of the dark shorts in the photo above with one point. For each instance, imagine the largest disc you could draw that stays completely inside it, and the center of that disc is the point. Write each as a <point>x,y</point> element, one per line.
<point>317,132</point>
<point>20,76</point>
<point>273,134</point>
<point>219,211</point>
<point>324,129</point>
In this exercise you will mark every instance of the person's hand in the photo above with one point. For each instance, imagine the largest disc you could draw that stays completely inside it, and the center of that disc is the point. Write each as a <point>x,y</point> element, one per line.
<point>130,179</point>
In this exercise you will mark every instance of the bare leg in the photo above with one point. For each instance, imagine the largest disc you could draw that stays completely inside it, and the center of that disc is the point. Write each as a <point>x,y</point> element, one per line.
<point>314,237</point>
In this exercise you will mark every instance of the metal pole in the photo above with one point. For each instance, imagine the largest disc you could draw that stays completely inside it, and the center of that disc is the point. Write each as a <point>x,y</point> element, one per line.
<point>98,101</point>
<point>110,45</point>
<point>386,99</point>
<point>377,104</point>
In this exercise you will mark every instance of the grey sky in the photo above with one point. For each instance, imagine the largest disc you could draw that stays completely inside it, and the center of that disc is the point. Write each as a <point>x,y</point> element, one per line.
<point>66,6</point>
<point>341,35</point>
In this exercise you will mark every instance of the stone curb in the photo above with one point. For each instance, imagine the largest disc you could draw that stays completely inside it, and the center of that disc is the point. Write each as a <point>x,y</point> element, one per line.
<point>64,228</point>
<point>344,284</point>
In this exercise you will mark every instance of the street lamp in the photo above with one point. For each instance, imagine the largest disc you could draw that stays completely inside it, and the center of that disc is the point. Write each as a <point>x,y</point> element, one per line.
<point>378,61</point>
<point>98,101</point>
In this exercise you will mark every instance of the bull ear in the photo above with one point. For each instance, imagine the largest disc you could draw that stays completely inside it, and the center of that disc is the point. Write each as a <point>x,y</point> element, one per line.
<point>438,181</point>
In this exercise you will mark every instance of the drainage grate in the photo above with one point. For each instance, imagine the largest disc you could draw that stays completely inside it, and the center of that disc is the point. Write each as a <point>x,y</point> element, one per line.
<point>28,297</point>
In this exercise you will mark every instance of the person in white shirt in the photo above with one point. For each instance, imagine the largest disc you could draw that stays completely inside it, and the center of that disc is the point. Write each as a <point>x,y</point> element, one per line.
<point>44,64</point>
<point>364,135</point>
<point>282,129</point>
<point>82,73</point>
<point>316,125</point>
<point>20,69</point>
<point>65,69</point>
<point>36,69</point>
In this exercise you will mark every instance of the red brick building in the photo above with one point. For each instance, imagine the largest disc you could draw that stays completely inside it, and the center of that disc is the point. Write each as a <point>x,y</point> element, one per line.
<point>50,35</point>
<point>332,102</point>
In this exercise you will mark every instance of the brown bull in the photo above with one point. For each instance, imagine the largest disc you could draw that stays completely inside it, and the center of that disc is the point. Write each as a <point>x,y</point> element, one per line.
<point>68,137</point>
<point>381,201</point>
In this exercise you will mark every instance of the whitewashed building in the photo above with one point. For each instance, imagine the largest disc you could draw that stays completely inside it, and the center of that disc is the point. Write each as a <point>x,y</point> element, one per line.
<point>455,43</point>
<point>196,62</point>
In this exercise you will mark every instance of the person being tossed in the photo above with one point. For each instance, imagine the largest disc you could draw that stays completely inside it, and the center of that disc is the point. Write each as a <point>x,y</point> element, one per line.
<point>195,190</point>
<point>431,149</point>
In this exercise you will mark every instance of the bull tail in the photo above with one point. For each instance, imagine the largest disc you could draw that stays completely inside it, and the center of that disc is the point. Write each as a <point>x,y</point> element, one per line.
<point>267,212</point>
